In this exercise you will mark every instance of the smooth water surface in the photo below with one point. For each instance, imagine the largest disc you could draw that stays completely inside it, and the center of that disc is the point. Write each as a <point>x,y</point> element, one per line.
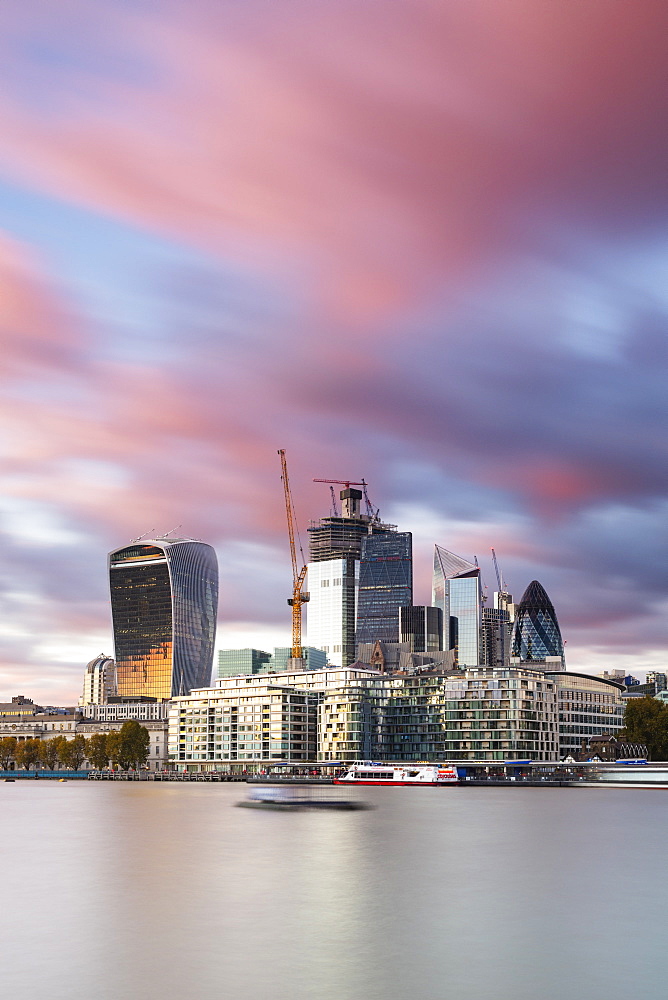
<point>169,892</point>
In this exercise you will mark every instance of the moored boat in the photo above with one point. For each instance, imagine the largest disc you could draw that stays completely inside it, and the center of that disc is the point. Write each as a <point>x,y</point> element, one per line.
<point>368,773</point>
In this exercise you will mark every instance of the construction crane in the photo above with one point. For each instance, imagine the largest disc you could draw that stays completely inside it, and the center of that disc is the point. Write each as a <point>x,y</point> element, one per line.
<point>372,512</point>
<point>299,596</point>
<point>335,509</point>
<point>499,579</point>
<point>502,605</point>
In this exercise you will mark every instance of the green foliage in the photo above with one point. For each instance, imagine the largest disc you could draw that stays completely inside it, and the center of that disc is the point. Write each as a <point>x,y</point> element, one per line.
<point>97,752</point>
<point>7,751</point>
<point>113,742</point>
<point>28,753</point>
<point>49,753</point>
<point>134,741</point>
<point>73,752</point>
<point>646,721</point>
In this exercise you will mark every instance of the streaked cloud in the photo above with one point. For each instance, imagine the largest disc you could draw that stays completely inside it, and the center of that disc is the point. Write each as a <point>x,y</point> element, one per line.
<point>420,243</point>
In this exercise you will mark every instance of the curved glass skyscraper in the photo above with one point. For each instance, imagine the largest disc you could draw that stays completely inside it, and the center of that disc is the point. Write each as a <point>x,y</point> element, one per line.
<point>536,633</point>
<point>164,601</point>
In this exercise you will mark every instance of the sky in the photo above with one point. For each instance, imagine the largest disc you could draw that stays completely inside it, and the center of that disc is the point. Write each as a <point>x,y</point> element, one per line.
<point>422,243</point>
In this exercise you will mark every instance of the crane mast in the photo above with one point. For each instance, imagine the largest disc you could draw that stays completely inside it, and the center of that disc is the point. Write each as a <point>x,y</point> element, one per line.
<point>299,596</point>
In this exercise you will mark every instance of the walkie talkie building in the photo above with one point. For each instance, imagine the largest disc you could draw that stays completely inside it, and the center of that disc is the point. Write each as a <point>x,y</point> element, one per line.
<point>164,601</point>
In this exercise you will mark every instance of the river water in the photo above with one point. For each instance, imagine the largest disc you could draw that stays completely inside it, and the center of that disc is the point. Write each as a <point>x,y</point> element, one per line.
<point>169,892</point>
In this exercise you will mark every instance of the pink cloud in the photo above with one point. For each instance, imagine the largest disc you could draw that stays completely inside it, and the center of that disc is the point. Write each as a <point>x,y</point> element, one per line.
<point>386,161</point>
<point>35,329</point>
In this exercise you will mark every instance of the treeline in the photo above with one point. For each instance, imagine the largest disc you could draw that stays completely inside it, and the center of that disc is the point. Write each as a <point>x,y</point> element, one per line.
<point>125,748</point>
<point>646,721</point>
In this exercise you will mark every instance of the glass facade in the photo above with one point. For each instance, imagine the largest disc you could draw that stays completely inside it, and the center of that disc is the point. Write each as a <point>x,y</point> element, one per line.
<point>456,591</point>
<point>495,632</point>
<point>332,608</point>
<point>314,659</point>
<point>164,598</point>
<point>385,585</point>
<point>242,661</point>
<point>536,633</point>
<point>421,628</point>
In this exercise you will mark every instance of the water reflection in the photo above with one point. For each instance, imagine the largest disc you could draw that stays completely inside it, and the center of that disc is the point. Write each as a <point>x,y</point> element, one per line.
<point>171,892</point>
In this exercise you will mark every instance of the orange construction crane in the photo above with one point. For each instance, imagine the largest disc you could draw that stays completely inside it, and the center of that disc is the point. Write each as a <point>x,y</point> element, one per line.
<point>299,596</point>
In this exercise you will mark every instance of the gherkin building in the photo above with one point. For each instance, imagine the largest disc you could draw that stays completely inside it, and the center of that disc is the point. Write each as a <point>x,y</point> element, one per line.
<point>536,633</point>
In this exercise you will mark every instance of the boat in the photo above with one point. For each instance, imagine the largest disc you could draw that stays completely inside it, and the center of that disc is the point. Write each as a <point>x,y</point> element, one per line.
<point>370,773</point>
<point>632,773</point>
<point>288,800</point>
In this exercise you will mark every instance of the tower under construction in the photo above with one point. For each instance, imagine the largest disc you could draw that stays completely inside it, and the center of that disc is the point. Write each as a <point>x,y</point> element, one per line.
<point>335,551</point>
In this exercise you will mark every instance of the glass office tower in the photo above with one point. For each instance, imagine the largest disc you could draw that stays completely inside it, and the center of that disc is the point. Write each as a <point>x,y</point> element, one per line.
<point>335,550</point>
<point>421,627</point>
<point>164,601</point>
<point>456,591</point>
<point>536,632</point>
<point>385,585</point>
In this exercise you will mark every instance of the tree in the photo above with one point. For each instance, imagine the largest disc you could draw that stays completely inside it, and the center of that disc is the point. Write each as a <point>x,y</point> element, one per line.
<point>97,751</point>
<point>73,752</point>
<point>28,753</point>
<point>114,747</point>
<point>7,751</point>
<point>134,745</point>
<point>646,721</point>
<point>49,753</point>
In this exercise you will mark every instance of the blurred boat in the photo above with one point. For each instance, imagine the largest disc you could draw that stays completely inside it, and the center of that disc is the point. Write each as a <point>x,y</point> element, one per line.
<point>288,799</point>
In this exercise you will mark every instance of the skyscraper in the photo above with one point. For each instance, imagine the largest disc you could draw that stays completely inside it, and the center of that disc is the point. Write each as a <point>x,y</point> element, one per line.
<point>421,627</point>
<point>385,585</point>
<point>536,634</point>
<point>164,600</point>
<point>496,630</point>
<point>335,549</point>
<point>456,591</point>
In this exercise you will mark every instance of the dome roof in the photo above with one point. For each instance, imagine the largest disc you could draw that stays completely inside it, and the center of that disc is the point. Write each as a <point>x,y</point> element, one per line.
<point>535,598</point>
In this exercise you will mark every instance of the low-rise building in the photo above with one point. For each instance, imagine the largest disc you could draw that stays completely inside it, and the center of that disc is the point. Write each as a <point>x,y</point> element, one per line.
<point>353,713</point>
<point>479,713</point>
<point>588,707</point>
<point>158,757</point>
<point>123,709</point>
<point>259,718</point>
<point>39,725</point>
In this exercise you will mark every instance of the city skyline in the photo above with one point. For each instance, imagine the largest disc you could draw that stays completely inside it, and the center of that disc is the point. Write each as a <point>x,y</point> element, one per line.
<point>432,257</point>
